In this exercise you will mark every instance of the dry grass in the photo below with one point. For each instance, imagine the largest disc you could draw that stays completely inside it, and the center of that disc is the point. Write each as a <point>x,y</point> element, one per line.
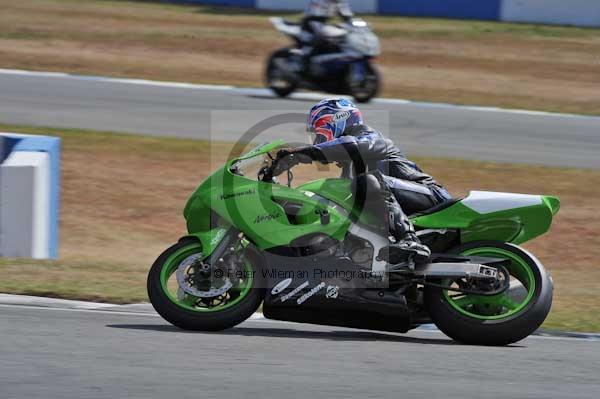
<point>486,63</point>
<point>122,198</point>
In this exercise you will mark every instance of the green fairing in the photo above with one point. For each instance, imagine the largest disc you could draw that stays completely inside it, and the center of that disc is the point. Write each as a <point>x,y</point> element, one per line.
<point>339,191</point>
<point>516,225</point>
<point>255,207</point>
<point>336,190</point>
<point>209,239</point>
<point>553,203</point>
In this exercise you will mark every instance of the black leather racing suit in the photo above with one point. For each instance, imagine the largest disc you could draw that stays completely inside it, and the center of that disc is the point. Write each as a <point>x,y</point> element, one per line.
<point>364,153</point>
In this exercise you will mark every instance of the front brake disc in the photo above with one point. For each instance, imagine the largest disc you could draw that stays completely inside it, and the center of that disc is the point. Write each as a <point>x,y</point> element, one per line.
<point>190,287</point>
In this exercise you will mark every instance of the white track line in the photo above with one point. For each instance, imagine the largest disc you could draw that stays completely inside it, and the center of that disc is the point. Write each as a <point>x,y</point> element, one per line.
<point>26,300</point>
<point>97,310</point>
<point>267,93</point>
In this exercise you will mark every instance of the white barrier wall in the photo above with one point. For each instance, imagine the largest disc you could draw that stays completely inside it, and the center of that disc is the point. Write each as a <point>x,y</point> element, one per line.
<point>29,196</point>
<point>24,198</point>
<point>359,6</point>
<point>563,12</point>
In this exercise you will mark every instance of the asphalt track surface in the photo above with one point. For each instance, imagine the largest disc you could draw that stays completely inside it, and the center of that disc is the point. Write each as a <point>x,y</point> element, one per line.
<point>62,354</point>
<point>222,113</point>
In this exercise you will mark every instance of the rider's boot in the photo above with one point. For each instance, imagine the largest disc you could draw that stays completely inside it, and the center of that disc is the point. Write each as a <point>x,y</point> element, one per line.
<point>408,249</point>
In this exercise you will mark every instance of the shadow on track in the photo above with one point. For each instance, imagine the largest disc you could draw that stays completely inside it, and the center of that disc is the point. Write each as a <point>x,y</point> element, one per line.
<point>293,333</point>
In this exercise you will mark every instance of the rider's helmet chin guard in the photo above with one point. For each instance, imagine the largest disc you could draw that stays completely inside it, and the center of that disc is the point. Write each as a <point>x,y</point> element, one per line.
<point>331,117</point>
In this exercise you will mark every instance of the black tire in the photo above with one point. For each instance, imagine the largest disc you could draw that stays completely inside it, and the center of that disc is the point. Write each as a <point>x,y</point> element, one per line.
<point>504,331</point>
<point>271,74</point>
<point>362,94</point>
<point>190,320</point>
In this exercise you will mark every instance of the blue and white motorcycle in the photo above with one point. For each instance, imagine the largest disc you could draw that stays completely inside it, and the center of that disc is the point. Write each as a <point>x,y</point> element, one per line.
<point>346,70</point>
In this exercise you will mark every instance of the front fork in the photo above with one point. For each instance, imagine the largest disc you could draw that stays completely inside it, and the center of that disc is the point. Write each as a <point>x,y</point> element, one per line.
<point>223,251</point>
<point>215,242</point>
<point>358,72</point>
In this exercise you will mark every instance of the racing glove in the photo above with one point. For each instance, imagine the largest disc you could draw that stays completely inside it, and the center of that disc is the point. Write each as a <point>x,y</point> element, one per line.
<point>287,158</point>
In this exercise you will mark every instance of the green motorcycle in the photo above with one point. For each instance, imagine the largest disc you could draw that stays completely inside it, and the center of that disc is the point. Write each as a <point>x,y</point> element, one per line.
<point>309,254</point>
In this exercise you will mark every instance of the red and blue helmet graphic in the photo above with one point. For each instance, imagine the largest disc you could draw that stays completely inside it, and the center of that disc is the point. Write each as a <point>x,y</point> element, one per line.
<point>331,117</point>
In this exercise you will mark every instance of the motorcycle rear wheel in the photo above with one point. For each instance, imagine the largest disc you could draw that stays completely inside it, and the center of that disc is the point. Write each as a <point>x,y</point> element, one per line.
<point>494,320</point>
<point>193,313</point>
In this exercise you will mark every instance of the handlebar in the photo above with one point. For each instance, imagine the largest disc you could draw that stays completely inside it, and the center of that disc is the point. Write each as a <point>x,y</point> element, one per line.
<point>266,174</point>
<point>277,167</point>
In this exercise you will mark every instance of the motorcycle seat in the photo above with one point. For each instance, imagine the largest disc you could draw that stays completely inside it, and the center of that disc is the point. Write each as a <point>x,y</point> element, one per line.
<point>437,208</point>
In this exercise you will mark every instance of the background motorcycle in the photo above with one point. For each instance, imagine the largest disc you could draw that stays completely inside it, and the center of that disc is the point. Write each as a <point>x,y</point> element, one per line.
<point>353,74</point>
<point>252,240</point>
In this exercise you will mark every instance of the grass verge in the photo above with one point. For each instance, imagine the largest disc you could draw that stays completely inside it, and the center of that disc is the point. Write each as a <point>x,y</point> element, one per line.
<point>122,197</point>
<point>467,62</point>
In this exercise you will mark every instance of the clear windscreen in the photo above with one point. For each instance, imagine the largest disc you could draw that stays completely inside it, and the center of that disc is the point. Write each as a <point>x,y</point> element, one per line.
<point>251,166</point>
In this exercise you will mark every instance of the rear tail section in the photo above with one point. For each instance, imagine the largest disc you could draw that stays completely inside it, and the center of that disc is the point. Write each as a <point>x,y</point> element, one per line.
<point>506,217</point>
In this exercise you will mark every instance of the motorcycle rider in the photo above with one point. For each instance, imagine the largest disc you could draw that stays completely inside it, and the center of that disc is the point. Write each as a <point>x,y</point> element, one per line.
<point>381,173</point>
<point>315,39</point>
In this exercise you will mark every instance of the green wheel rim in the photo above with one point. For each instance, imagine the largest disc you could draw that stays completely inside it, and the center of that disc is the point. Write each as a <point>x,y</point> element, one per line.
<point>172,263</point>
<point>476,306</point>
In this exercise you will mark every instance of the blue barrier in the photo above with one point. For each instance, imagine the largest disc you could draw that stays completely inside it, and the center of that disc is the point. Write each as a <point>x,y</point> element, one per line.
<point>465,9</point>
<point>6,146</point>
<point>462,9</point>
<point>232,3</point>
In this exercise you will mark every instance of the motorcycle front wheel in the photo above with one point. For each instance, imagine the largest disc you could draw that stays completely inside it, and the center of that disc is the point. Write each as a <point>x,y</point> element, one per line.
<point>212,301</point>
<point>367,88</point>
<point>499,319</point>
